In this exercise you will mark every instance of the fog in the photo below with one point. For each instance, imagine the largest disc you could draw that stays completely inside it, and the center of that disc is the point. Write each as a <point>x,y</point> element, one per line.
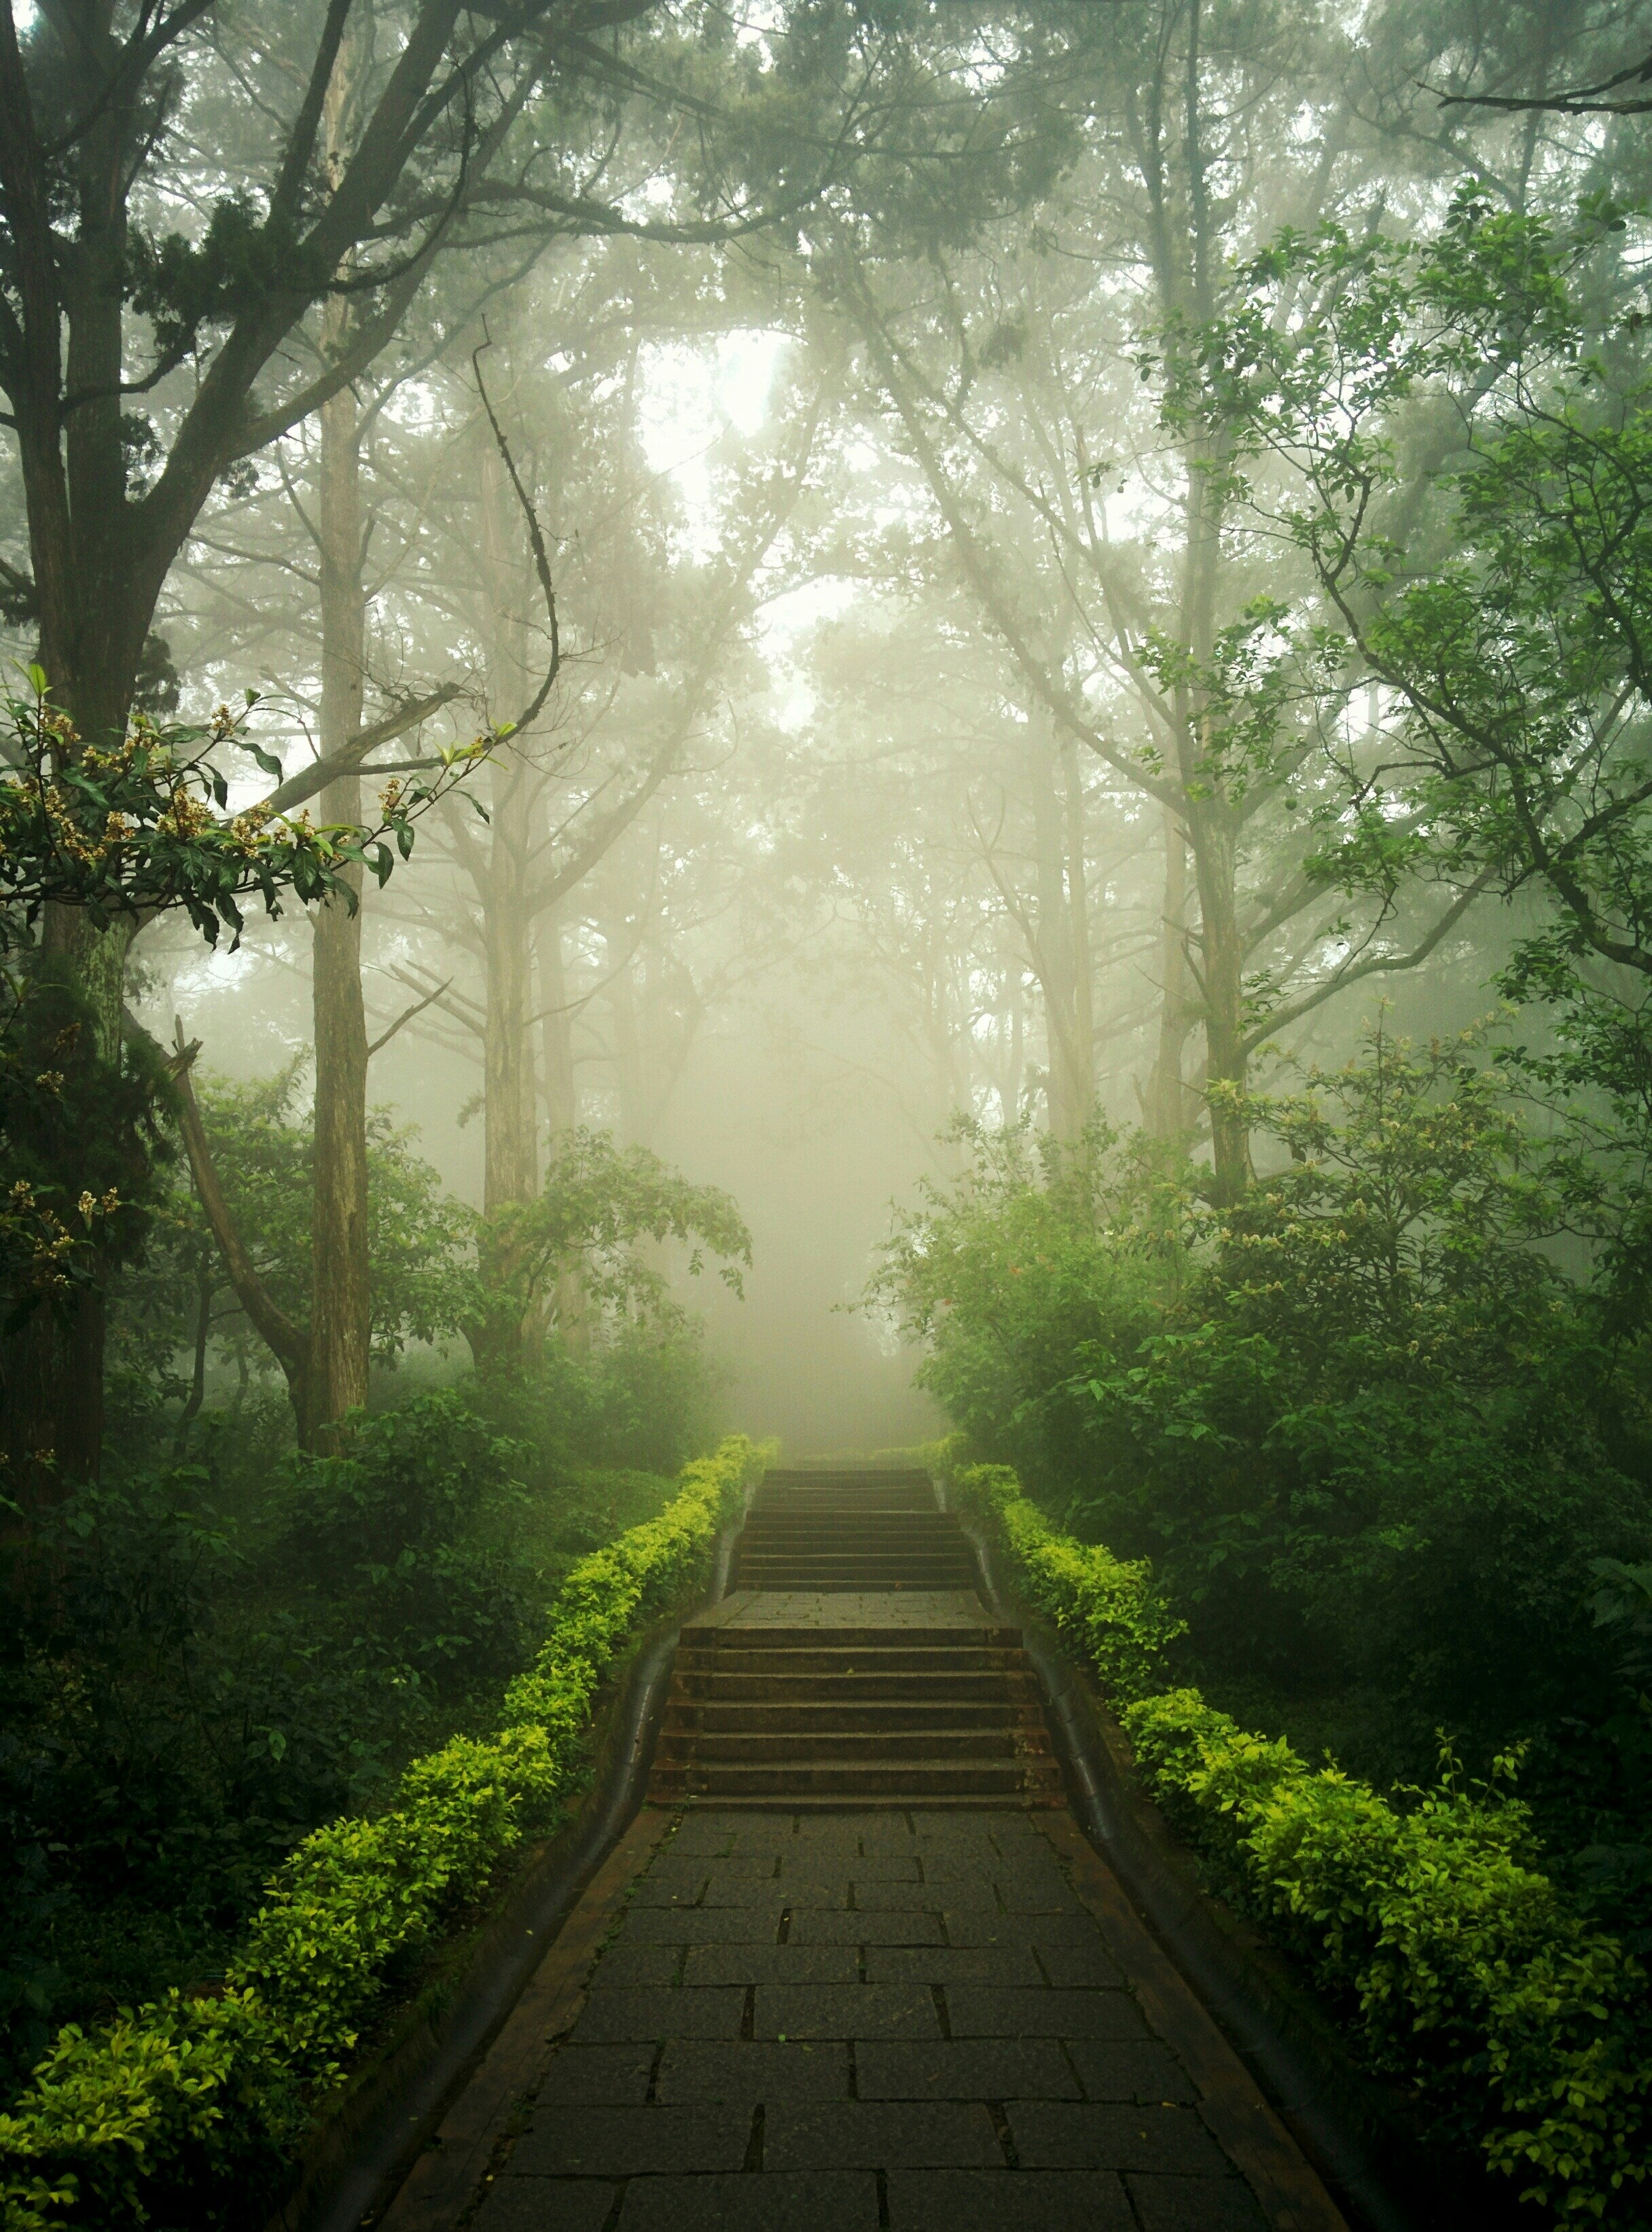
<point>854,728</point>
<point>840,536</point>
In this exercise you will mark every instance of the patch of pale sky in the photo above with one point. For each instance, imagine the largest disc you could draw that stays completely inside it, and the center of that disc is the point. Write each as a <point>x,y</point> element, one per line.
<point>689,395</point>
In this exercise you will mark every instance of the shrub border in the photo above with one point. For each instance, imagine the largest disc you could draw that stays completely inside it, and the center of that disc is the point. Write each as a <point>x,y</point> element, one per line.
<point>188,2092</point>
<point>1517,2028</point>
<point>1359,2134</point>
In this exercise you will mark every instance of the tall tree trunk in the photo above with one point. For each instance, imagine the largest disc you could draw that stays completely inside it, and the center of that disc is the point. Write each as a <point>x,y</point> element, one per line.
<point>1221,952</point>
<point>556,1031</point>
<point>510,1162</point>
<point>1213,829</point>
<point>340,1267</point>
<point>510,1115</point>
<point>619,961</point>
<point>91,642</point>
<point>1061,954</point>
<point>1079,939</point>
<point>511,1153</point>
<point>1165,1102</point>
<point>340,1327</point>
<point>562,1105</point>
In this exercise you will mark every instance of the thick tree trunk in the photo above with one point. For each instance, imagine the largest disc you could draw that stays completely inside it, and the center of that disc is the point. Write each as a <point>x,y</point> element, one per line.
<point>510,1151</point>
<point>1165,1102</point>
<point>52,1366</point>
<point>1221,964</point>
<point>1061,955</point>
<point>93,617</point>
<point>341,1269</point>
<point>562,1105</point>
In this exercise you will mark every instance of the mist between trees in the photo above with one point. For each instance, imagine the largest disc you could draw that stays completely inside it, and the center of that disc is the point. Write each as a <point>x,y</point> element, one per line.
<point>639,631</point>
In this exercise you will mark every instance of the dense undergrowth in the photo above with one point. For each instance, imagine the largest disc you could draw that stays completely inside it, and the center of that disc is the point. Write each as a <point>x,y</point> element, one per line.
<point>184,2109</point>
<point>1357,1467</point>
<point>242,1645</point>
<point>1384,1439</point>
<point>1462,1969</point>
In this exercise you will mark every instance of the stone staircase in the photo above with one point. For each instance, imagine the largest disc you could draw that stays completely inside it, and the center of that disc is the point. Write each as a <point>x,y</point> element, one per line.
<point>934,1706</point>
<point>864,1530</point>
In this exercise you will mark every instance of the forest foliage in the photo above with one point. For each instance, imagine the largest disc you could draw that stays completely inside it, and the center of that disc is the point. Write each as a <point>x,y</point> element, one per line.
<point>1425,1914</point>
<point>190,2102</point>
<point>1183,571</point>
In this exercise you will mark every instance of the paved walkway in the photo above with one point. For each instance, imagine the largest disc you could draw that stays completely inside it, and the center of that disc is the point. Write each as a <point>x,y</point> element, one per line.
<point>851,2021</point>
<point>765,2021</point>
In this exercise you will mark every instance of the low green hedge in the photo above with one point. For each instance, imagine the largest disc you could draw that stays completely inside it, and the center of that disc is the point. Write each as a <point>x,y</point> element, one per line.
<point>172,2111</point>
<point>1464,1973</point>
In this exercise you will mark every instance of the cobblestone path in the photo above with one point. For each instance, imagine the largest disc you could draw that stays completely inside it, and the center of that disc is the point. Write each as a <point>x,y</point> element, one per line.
<point>807,2018</point>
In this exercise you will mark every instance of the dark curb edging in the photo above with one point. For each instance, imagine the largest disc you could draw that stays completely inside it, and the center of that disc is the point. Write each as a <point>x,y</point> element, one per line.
<point>354,2163</point>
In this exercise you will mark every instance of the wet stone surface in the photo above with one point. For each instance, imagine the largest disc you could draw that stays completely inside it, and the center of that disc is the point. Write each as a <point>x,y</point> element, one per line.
<point>850,2021</point>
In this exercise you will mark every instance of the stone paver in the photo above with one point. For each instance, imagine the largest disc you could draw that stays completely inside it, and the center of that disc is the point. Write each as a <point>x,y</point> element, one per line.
<point>828,2023</point>
<point>915,2019</point>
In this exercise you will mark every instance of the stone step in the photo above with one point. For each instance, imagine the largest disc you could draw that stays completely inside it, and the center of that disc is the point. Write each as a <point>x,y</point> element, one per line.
<point>780,1520</point>
<point>869,1572</point>
<point>867,1659</point>
<point>914,1779</point>
<point>718,1715</point>
<point>856,1534</point>
<point>870,1748</point>
<point>798,1581</point>
<point>858,1554</point>
<point>948,1549</point>
<point>861,1637</point>
<point>865,1713</point>
<point>851,1500</point>
<point>898,1562</point>
<point>872,1561</point>
<point>851,1691</point>
<point>851,1527</point>
<point>871,1801</point>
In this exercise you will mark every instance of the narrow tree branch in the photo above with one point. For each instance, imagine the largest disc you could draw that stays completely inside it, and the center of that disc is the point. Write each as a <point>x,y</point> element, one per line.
<point>348,759</point>
<point>406,1016</point>
<point>537,543</point>
<point>1378,965</point>
<point>289,1343</point>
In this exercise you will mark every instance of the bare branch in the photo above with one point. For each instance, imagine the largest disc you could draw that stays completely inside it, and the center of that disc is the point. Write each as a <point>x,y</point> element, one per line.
<point>348,759</point>
<point>536,541</point>
<point>289,1343</point>
<point>406,1016</point>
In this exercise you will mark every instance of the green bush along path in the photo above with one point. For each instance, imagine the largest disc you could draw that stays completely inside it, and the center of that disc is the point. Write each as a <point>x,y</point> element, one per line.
<point>856,1965</point>
<point>186,2110</point>
<point>1458,1966</point>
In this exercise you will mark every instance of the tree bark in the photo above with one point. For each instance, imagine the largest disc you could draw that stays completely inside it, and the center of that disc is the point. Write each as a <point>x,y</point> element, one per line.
<point>100,550</point>
<point>561,1107</point>
<point>510,1115</point>
<point>1165,1103</point>
<point>288,1343</point>
<point>1222,953</point>
<point>53,1363</point>
<point>341,1268</point>
<point>1061,956</point>
<point>341,1329</point>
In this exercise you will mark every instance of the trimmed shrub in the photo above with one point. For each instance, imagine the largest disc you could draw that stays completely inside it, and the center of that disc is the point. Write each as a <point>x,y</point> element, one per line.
<point>1462,1971</point>
<point>175,2109</point>
<point>1107,1605</point>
